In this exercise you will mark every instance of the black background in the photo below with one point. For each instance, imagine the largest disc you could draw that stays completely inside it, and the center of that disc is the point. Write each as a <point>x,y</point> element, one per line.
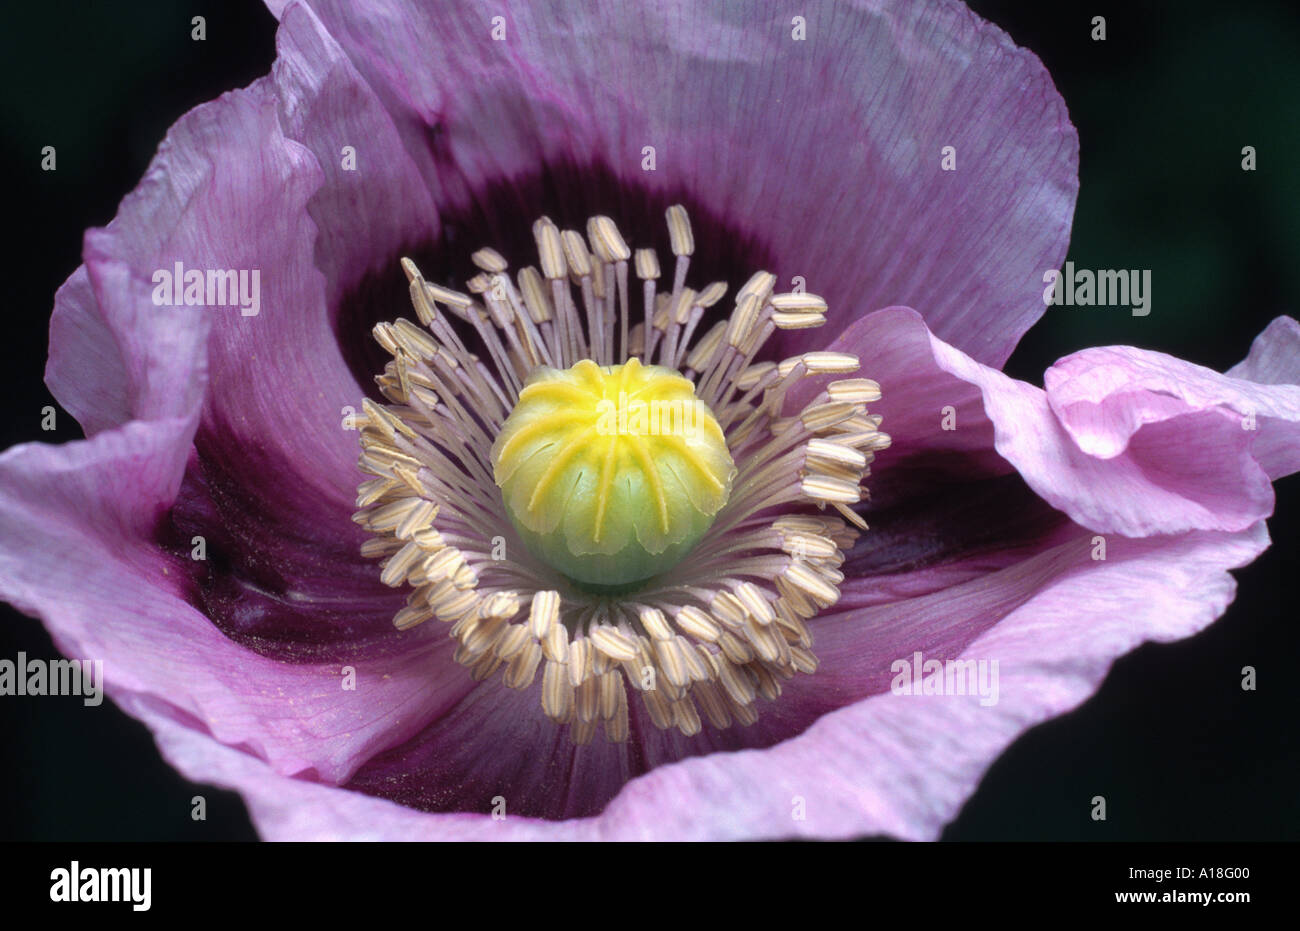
<point>1163,107</point>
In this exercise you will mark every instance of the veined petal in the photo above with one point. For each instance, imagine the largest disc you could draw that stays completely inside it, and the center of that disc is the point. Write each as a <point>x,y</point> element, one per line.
<point>1188,463</point>
<point>77,551</point>
<point>865,211</point>
<point>1274,357</point>
<point>891,764</point>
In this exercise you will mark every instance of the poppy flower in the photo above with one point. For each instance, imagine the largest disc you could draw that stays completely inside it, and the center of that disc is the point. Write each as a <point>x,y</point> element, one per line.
<point>367,527</point>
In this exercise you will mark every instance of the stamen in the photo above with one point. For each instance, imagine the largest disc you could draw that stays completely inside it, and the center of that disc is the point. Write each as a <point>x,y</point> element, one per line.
<point>698,640</point>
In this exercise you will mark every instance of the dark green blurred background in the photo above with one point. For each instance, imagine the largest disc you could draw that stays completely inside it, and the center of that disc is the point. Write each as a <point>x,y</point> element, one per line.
<point>1163,108</point>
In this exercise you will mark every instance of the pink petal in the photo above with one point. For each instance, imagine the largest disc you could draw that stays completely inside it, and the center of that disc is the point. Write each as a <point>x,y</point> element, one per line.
<point>1274,357</point>
<point>1188,464</point>
<point>496,741</point>
<point>87,369</point>
<point>833,145</point>
<point>364,214</point>
<point>893,764</point>
<point>1211,437</point>
<point>251,181</point>
<point>903,764</point>
<point>273,427</point>
<point>76,549</point>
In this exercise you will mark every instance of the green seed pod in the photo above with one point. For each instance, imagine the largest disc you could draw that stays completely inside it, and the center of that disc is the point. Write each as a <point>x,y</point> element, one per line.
<point>611,474</point>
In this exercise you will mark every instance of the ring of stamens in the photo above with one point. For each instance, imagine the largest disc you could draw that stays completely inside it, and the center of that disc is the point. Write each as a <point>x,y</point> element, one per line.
<point>701,641</point>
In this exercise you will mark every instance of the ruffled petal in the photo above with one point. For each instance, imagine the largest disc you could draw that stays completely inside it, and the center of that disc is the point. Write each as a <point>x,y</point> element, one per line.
<point>262,182</point>
<point>1186,467</point>
<point>274,426</point>
<point>77,551</point>
<point>457,764</point>
<point>903,764</point>
<point>893,764</point>
<point>861,207</point>
<point>259,182</point>
<point>271,485</point>
<point>286,809</point>
<point>1205,436</point>
<point>87,369</point>
<point>1274,357</point>
<point>371,200</point>
<point>940,432</point>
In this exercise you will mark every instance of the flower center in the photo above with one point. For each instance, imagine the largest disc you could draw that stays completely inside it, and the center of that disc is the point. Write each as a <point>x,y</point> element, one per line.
<point>611,474</point>
<point>547,458</point>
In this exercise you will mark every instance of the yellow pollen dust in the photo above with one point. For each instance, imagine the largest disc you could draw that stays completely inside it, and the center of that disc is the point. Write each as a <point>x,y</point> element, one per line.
<point>611,473</point>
